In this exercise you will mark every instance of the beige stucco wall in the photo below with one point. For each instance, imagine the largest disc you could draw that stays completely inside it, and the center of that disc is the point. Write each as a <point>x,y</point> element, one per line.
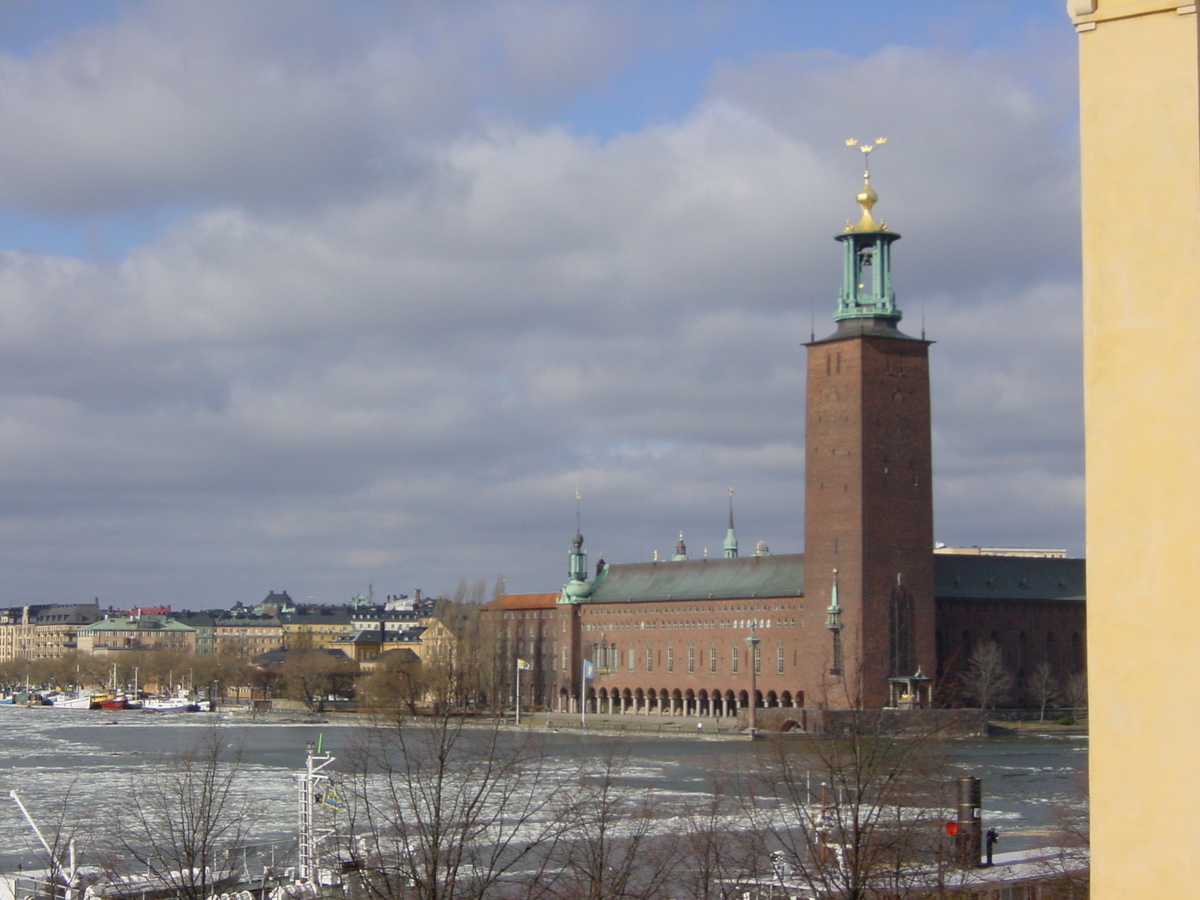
<point>1140,146</point>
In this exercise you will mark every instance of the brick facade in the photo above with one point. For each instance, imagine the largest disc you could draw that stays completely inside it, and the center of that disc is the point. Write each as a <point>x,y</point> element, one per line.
<point>869,504</point>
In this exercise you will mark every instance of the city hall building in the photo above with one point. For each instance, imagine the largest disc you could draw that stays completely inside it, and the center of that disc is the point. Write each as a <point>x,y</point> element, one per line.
<point>869,615</point>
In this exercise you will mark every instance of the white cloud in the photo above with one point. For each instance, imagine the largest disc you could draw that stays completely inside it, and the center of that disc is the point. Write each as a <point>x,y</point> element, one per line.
<point>408,314</point>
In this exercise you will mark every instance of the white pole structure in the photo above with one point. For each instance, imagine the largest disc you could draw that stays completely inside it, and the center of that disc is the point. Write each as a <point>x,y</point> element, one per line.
<point>518,692</point>
<point>312,782</point>
<point>56,868</point>
<point>586,672</point>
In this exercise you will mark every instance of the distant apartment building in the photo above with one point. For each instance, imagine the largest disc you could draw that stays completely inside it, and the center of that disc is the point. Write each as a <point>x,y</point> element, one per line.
<point>128,633</point>
<point>205,624</point>
<point>44,632</point>
<point>247,636</point>
<point>367,644</point>
<point>315,628</point>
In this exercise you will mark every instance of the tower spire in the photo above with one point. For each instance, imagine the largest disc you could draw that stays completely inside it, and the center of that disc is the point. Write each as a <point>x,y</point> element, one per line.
<point>578,588</point>
<point>731,543</point>
<point>577,569</point>
<point>833,612</point>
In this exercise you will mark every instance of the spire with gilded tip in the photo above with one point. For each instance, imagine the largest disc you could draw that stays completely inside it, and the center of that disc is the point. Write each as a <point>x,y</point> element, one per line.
<point>833,613</point>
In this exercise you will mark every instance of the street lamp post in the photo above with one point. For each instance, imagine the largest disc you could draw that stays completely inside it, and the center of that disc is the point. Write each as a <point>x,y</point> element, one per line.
<point>753,640</point>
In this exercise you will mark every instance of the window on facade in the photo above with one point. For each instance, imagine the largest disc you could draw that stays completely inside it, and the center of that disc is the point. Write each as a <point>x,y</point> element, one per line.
<point>779,659</point>
<point>670,659</point>
<point>712,658</point>
<point>836,668</point>
<point>649,657</point>
<point>691,658</point>
<point>757,659</point>
<point>733,659</point>
<point>632,654</point>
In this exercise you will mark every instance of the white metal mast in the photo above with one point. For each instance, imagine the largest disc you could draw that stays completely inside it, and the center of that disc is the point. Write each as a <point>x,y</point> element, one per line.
<point>57,870</point>
<point>314,787</point>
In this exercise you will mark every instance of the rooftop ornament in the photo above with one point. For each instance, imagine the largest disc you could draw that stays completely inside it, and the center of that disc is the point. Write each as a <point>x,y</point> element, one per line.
<point>866,197</point>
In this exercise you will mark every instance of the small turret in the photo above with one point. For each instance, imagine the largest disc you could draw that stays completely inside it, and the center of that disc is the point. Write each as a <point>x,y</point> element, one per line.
<point>833,621</point>
<point>577,559</point>
<point>680,550</point>
<point>833,613</point>
<point>577,586</point>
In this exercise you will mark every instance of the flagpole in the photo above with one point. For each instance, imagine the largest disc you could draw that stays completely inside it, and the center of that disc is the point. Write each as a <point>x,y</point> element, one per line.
<point>582,691</point>
<point>518,693</point>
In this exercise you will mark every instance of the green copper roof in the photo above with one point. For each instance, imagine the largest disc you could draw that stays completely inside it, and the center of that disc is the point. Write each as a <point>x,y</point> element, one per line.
<point>144,623</point>
<point>967,577</point>
<point>702,579</point>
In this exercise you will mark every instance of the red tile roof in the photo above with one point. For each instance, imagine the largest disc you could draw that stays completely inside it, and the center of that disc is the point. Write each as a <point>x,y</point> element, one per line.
<point>524,601</point>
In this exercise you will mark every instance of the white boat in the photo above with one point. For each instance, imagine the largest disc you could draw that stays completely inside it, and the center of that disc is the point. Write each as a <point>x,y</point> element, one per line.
<point>180,701</point>
<point>80,700</point>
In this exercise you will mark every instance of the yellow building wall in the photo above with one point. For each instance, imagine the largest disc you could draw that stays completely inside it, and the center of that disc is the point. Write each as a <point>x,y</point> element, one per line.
<point>1140,155</point>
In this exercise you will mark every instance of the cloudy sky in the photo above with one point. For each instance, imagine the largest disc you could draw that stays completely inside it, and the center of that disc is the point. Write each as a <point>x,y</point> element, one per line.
<point>317,296</point>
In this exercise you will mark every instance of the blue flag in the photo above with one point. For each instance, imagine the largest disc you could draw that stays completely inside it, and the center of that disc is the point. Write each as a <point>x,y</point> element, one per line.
<point>588,668</point>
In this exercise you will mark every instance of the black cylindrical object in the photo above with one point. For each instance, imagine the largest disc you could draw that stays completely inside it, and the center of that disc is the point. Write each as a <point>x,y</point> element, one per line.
<point>969,840</point>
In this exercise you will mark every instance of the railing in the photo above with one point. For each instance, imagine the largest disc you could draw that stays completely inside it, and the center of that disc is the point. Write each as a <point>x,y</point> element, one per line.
<point>642,726</point>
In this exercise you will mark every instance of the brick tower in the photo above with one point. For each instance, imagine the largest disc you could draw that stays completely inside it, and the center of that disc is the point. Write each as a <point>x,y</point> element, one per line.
<point>868,492</point>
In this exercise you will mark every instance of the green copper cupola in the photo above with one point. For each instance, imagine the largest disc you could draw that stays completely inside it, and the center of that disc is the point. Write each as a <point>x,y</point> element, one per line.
<point>731,542</point>
<point>577,586</point>
<point>577,564</point>
<point>867,258</point>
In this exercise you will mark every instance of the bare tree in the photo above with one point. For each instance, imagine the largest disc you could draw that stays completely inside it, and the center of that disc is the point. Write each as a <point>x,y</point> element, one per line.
<point>439,809</point>
<point>1067,871</point>
<point>487,681</point>
<point>985,678</point>
<point>614,844</point>
<point>314,675</point>
<point>71,669</point>
<point>717,854</point>
<point>1043,687</point>
<point>178,831</point>
<point>12,671</point>
<point>857,812</point>
<point>395,686</point>
<point>462,667</point>
<point>1077,693</point>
